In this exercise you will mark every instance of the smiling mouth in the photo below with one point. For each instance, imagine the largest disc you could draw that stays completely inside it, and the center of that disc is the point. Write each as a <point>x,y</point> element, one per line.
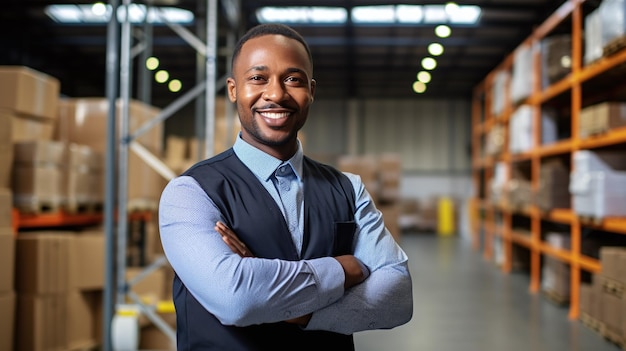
<point>275,115</point>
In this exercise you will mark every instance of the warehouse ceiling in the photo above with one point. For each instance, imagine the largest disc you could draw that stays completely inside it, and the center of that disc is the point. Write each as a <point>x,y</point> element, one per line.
<point>351,60</point>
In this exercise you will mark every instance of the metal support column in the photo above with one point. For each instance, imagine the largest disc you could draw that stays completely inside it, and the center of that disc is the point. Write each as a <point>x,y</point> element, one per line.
<point>112,74</point>
<point>119,146</point>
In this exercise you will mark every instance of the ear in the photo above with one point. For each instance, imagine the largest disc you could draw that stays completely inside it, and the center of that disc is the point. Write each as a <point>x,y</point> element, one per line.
<point>313,84</point>
<point>232,92</point>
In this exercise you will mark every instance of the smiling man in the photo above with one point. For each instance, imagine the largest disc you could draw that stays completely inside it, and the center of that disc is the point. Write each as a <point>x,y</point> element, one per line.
<point>271,249</point>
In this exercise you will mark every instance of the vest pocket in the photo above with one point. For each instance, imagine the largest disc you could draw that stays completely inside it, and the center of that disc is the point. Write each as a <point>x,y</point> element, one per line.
<point>344,237</point>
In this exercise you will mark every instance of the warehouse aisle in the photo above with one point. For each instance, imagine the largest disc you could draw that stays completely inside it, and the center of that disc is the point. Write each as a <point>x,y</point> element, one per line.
<point>463,302</point>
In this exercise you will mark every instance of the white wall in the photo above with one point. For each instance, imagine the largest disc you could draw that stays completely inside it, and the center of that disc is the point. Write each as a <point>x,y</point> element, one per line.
<point>432,135</point>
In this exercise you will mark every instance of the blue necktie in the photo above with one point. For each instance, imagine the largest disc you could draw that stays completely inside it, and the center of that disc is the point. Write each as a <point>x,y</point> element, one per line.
<point>290,194</point>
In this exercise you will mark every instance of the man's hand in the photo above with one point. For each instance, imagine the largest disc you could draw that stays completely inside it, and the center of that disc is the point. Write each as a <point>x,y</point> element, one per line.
<point>231,239</point>
<point>354,270</point>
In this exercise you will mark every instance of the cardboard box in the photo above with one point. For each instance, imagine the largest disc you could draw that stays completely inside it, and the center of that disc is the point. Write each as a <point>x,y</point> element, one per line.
<point>41,322</point>
<point>6,207</point>
<point>6,149</point>
<point>7,260</point>
<point>28,128</point>
<point>613,262</point>
<point>612,315</point>
<point>42,262</point>
<point>38,188</point>
<point>152,338</point>
<point>151,288</point>
<point>585,298</point>
<point>40,152</point>
<point>602,117</point>
<point>391,216</point>
<point>84,121</point>
<point>87,260</point>
<point>81,314</point>
<point>30,92</point>
<point>553,186</point>
<point>7,320</point>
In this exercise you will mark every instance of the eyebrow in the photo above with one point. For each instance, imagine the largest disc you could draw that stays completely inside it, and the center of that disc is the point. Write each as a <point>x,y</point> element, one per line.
<point>289,70</point>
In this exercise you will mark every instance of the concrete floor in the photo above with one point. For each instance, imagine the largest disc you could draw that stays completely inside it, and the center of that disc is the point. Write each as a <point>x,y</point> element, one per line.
<point>462,302</point>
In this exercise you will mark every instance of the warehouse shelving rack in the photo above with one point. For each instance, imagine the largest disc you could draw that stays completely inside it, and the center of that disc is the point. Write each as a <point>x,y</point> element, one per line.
<point>496,217</point>
<point>120,54</point>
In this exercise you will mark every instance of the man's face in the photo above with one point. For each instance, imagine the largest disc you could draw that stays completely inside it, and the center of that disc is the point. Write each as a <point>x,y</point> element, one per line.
<point>273,89</point>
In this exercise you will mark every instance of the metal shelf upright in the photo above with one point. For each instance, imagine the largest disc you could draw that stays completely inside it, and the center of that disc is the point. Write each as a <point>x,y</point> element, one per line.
<point>120,54</point>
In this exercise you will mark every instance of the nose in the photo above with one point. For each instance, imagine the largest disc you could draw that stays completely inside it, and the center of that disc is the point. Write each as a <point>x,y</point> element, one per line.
<point>274,91</point>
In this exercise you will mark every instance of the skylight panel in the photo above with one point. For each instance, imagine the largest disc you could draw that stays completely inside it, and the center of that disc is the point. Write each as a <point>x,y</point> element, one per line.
<point>302,14</point>
<point>75,14</point>
<point>409,13</point>
<point>374,14</point>
<point>379,14</point>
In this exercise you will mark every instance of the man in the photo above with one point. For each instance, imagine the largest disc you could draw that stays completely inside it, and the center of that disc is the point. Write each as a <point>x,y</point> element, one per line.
<point>272,250</point>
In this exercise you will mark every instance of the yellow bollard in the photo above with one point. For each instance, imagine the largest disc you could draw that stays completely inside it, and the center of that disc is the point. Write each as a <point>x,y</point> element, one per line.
<point>445,216</point>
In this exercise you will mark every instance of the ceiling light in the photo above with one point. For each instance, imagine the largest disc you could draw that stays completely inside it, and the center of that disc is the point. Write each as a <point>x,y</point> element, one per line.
<point>99,9</point>
<point>374,14</point>
<point>443,31</point>
<point>566,61</point>
<point>161,76</point>
<point>100,13</point>
<point>409,13</point>
<point>424,77</point>
<point>302,14</point>
<point>175,85</point>
<point>466,14</point>
<point>152,63</point>
<point>419,87</point>
<point>429,63</point>
<point>389,14</point>
<point>435,49</point>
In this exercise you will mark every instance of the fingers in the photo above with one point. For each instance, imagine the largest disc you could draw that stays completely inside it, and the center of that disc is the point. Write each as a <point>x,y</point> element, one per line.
<point>231,239</point>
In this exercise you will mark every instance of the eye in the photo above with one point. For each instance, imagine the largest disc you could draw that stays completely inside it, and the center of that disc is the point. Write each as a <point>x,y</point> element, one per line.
<point>293,80</point>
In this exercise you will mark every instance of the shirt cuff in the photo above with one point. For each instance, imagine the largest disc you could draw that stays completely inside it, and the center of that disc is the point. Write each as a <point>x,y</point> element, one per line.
<point>330,278</point>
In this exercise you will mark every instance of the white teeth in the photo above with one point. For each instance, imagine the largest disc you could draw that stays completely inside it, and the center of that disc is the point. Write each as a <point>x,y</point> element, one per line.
<point>274,115</point>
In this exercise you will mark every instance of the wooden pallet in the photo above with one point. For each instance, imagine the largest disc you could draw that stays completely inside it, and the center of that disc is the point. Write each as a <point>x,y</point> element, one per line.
<point>556,298</point>
<point>614,336</point>
<point>613,287</point>
<point>75,207</point>
<point>592,323</point>
<point>589,220</point>
<point>37,205</point>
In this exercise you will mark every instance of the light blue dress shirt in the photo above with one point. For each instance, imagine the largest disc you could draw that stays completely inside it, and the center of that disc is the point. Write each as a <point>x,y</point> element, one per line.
<point>246,291</point>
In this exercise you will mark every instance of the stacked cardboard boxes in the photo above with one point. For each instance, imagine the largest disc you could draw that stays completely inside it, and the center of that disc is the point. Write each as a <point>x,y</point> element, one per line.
<point>555,274</point>
<point>82,121</point>
<point>59,283</point>
<point>381,176</point>
<point>602,117</point>
<point>553,189</point>
<point>38,182</point>
<point>28,104</point>
<point>7,269</point>
<point>603,302</point>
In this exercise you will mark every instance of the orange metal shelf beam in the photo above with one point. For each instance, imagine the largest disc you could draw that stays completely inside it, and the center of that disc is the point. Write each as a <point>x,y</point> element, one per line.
<point>58,219</point>
<point>522,238</point>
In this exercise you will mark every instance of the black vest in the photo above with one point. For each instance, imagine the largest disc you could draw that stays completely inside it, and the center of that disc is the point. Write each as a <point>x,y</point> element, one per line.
<point>253,214</point>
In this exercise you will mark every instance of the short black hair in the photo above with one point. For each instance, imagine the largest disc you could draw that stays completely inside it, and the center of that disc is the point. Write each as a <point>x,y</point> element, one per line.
<point>270,29</point>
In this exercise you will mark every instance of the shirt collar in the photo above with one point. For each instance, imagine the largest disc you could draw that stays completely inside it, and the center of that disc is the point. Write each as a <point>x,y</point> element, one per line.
<point>262,164</point>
